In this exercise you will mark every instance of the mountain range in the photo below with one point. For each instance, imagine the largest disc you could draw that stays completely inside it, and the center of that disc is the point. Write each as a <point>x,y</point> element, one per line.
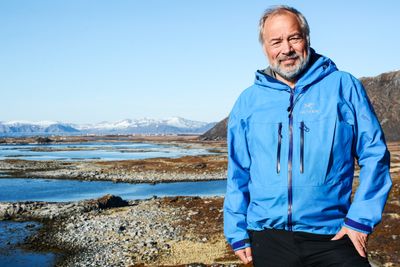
<point>174,125</point>
<point>383,91</point>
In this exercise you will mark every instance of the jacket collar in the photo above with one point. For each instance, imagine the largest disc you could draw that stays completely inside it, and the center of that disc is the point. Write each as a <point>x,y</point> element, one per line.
<point>318,67</point>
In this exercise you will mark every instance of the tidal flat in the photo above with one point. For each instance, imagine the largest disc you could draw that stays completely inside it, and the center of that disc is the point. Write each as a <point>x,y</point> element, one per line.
<point>183,159</point>
<point>166,231</point>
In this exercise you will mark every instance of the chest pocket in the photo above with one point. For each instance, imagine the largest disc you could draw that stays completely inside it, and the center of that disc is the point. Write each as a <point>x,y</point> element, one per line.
<point>324,147</point>
<point>266,144</point>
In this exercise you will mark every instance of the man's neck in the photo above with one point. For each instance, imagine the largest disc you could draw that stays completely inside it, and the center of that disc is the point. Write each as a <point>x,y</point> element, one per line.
<point>290,83</point>
<point>270,72</point>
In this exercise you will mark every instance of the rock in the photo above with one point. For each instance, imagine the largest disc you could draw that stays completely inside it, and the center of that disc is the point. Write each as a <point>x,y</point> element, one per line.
<point>111,201</point>
<point>196,265</point>
<point>201,165</point>
<point>121,228</point>
<point>30,226</point>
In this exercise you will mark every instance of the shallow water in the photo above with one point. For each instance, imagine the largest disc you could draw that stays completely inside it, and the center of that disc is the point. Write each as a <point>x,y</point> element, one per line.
<point>13,233</point>
<point>52,190</point>
<point>97,151</point>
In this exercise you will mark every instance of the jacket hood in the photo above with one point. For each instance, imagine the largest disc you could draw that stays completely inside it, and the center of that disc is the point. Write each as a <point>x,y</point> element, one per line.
<point>319,67</point>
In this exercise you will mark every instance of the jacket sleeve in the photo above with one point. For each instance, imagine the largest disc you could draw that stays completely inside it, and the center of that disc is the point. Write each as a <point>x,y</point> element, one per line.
<point>373,158</point>
<point>237,194</point>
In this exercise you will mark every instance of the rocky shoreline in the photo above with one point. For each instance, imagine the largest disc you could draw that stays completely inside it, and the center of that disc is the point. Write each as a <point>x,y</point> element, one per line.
<point>112,232</point>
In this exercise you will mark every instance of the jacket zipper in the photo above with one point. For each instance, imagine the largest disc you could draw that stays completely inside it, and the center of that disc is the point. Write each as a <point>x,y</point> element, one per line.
<point>302,147</point>
<point>290,193</point>
<point>278,152</point>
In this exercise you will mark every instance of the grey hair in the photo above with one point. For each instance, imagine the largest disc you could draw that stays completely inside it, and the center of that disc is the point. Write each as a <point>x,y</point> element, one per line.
<point>281,9</point>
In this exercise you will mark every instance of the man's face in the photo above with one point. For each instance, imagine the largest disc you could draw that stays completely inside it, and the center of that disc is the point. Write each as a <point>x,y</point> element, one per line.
<point>285,45</point>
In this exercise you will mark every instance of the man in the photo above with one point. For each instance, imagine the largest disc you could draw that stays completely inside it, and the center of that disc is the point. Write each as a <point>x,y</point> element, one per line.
<point>292,140</point>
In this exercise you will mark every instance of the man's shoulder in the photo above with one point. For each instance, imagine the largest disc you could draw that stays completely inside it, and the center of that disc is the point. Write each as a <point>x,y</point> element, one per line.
<point>249,92</point>
<point>343,76</point>
<point>347,84</point>
<point>245,99</point>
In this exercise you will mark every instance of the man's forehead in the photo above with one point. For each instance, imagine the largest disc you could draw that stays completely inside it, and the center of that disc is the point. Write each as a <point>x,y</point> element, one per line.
<point>282,21</point>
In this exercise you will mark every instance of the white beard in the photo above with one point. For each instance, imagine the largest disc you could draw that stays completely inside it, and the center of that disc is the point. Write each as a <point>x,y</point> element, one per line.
<point>292,74</point>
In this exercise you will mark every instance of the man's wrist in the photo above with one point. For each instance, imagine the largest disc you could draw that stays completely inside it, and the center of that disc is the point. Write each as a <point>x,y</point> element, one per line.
<point>349,223</point>
<point>241,244</point>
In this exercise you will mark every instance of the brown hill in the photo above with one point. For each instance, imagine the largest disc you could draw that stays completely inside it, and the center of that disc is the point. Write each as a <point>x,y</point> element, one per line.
<point>384,93</point>
<point>218,132</point>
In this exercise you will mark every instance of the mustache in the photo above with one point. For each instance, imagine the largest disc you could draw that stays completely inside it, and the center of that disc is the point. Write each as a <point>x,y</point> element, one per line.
<point>287,57</point>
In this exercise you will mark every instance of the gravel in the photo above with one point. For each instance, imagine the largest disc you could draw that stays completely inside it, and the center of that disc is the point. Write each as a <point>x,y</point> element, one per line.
<point>139,231</point>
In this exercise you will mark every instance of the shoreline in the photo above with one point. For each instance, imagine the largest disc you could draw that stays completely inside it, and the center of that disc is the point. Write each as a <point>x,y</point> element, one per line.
<point>154,231</point>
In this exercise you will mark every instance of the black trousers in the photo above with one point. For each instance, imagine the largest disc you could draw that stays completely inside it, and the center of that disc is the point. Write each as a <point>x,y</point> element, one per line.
<point>280,248</point>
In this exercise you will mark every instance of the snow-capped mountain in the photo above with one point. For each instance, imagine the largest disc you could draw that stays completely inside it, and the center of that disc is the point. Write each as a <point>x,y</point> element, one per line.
<point>144,122</point>
<point>174,125</point>
<point>39,123</point>
<point>42,127</point>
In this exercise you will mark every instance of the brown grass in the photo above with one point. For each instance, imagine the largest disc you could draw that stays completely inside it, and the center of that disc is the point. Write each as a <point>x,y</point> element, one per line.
<point>188,164</point>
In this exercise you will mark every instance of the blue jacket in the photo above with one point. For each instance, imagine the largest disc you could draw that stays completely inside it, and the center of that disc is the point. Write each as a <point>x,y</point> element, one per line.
<point>291,156</point>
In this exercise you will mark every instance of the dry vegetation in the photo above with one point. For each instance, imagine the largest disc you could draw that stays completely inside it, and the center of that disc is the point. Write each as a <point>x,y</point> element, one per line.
<point>188,164</point>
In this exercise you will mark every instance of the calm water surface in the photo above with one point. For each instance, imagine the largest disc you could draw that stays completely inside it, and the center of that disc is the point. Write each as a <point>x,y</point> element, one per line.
<point>13,233</point>
<point>22,189</point>
<point>97,151</point>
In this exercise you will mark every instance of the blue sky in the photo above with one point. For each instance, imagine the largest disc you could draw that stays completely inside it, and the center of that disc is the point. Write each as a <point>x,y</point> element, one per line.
<point>91,61</point>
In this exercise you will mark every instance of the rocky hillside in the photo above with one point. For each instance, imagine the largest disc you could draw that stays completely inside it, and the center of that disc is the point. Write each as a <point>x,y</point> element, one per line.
<point>384,93</point>
<point>218,132</point>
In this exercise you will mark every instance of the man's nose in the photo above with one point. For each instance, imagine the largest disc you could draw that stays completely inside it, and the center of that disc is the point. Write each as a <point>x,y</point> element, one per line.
<point>287,47</point>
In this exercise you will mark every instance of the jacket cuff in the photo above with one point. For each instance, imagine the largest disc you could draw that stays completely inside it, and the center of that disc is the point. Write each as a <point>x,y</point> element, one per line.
<point>241,244</point>
<point>357,226</point>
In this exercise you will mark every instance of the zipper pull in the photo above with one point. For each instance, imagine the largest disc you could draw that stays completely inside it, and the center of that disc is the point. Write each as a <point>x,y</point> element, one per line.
<point>303,128</point>
<point>290,108</point>
<point>278,152</point>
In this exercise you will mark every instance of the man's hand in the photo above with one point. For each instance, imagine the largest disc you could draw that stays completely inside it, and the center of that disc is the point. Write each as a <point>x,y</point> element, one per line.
<point>359,239</point>
<point>244,255</point>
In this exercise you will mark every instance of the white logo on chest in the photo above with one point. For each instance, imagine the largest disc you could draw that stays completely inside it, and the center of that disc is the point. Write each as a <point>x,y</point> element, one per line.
<point>309,108</point>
